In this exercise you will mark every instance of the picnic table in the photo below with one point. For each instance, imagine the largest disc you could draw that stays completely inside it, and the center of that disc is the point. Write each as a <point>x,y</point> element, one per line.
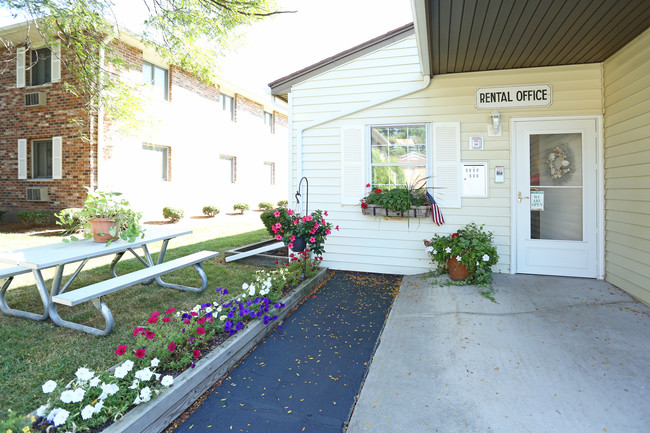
<point>60,254</point>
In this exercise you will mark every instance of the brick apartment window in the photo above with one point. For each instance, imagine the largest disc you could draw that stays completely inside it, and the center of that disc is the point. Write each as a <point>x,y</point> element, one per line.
<point>40,67</point>
<point>155,163</point>
<point>42,159</point>
<point>268,121</point>
<point>269,172</point>
<point>228,106</point>
<point>228,168</point>
<point>158,79</point>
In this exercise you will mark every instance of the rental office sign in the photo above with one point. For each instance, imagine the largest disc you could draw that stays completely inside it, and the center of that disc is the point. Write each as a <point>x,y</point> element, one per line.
<point>525,96</point>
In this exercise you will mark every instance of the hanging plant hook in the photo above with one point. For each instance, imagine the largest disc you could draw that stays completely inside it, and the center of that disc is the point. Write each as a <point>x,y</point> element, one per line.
<point>298,195</point>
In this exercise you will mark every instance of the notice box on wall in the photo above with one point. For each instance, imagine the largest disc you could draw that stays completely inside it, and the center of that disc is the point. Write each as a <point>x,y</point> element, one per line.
<point>474,179</point>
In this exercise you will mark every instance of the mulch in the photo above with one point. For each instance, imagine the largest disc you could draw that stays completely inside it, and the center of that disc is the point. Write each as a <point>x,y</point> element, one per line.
<point>307,374</point>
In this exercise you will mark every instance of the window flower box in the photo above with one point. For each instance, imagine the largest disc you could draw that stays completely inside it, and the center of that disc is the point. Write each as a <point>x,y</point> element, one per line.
<point>412,212</point>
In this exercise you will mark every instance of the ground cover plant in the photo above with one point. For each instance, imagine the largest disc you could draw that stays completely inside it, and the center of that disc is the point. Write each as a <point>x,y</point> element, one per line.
<point>33,352</point>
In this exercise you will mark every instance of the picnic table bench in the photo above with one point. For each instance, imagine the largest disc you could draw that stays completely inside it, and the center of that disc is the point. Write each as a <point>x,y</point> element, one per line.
<point>58,255</point>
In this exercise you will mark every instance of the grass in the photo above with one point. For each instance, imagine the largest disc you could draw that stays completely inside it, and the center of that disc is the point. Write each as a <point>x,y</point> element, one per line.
<point>32,352</point>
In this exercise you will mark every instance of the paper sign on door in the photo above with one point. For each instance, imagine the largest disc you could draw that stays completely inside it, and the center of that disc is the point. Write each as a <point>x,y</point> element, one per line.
<point>537,200</point>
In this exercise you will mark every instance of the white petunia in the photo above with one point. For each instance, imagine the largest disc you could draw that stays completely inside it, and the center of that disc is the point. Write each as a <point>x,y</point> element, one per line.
<point>155,362</point>
<point>108,390</point>
<point>145,394</point>
<point>219,309</point>
<point>49,386</point>
<point>61,417</point>
<point>458,258</point>
<point>222,318</point>
<point>435,252</point>
<point>73,396</point>
<point>94,381</point>
<point>448,250</point>
<point>87,412</point>
<point>486,258</point>
<point>167,381</point>
<point>244,286</point>
<point>208,309</point>
<point>98,406</point>
<point>137,400</point>
<point>429,249</point>
<point>84,375</point>
<point>120,372</point>
<point>41,410</point>
<point>134,385</point>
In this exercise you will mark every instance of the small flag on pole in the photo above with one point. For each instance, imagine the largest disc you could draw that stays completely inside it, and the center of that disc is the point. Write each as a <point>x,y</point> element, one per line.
<point>436,215</point>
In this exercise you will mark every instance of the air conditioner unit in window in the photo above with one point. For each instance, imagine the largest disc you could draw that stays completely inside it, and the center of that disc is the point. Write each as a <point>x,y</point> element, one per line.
<point>37,194</point>
<point>35,99</point>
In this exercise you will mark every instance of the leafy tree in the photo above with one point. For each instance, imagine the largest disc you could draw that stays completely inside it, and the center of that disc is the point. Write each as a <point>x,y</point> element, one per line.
<point>191,34</point>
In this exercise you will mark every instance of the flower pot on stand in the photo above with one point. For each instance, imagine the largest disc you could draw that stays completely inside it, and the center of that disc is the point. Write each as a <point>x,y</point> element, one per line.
<point>299,245</point>
<point>457,271</point>
<point>101,228</point>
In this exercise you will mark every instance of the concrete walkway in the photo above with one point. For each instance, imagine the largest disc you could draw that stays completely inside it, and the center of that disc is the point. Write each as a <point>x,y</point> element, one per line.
<point>553,355</point>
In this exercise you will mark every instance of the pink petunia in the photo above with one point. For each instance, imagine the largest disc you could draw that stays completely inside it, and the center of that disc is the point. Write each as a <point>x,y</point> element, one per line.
<point>326,213</point>
<point>337,228</point>
<point>278,237</point>
<point>171,347</point>
<point>152,319</point>
<point>312,239</point>
<point>166,319</point>
<point>139,353</point>
<point>328,231</point>
<point>121,350</point>
<point>150,335</point>
<point>290,245</point>
<point>276,214</point>
<point>155,314</point>
<point>292,238</point>
<point>278,225</point>
<point>201,321</point>
<point>196,353</point>
<point>170,310</point>
<point>194,313</point>
<point>200,331</point>
<point>316,226</point>
<point>137,330</point>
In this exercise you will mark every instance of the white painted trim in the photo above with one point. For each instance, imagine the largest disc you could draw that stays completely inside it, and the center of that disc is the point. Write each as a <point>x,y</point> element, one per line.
<point>420,24</point>
<point>600,188</point>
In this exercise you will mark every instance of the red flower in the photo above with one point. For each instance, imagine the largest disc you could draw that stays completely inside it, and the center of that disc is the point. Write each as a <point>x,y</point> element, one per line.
<point>192,313</point>
<point>166,319</point>
<point>186,321</point>
<point>137,330</point>
<point>363,206</point>
<point>150,335</point>
<point>171,347</point>
<point>121,350</point>
<point>337,228</point>
<point>200,331</point>
<point>378,190</point>
<point>367,185</point>
<point>196,353</point>
<point>155,314</point>
<point>200,321</point>
<point>455,235</point>
<point>139,353</point>
<point>170,311</point>
<point>152,319</point>
<point>426,243</point>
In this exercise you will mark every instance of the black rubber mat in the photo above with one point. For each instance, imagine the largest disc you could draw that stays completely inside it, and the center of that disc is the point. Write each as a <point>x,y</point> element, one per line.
<point>306,375</point>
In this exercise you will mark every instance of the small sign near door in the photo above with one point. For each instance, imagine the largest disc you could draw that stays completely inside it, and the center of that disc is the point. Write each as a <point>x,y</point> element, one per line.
<point>537,200</point>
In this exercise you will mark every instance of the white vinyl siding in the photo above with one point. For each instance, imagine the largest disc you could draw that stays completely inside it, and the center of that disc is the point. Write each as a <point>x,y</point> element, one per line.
<point>627,168</point>
<point>374,244</point>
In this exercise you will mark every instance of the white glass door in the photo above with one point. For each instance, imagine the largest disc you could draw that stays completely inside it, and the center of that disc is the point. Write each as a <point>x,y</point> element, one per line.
<point>556,210</point>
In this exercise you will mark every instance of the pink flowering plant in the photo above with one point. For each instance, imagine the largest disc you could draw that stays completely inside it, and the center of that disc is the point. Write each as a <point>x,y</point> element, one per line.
<point>471,246</point>
<point>313,228</point>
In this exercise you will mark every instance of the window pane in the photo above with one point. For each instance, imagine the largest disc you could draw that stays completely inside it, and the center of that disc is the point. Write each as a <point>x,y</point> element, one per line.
<point>155,162</point>
<point>227,169</point>
<point>40,68</point>
<point>42,159</point>
<point>160,83</point>
<point>147,73</point>
<point>270,172</point>
<point>398,156</point>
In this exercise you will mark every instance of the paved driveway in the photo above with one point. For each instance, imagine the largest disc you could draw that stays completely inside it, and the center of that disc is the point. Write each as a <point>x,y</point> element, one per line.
<point>553,355</point>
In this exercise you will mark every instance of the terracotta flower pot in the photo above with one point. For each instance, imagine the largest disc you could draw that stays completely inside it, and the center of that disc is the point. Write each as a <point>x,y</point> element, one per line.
<point>101,228</point>
<point>457,271</point>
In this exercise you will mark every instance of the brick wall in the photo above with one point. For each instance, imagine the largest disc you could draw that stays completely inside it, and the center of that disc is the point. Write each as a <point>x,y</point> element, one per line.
<point>43,122</point>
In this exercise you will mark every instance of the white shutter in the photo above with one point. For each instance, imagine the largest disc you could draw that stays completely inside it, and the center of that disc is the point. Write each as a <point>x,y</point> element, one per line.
<point>446,164</point>
<point>352,162</point>
<point>57,157</point>
<point>22,159</point>
<point>55,62</point>
<point>20,67</point>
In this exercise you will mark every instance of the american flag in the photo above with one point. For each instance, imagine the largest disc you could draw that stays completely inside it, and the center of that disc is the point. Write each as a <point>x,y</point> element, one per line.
<point>435,210</point>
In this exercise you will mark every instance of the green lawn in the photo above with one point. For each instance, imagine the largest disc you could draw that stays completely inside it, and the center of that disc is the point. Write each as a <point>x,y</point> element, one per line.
<point>33,352</point>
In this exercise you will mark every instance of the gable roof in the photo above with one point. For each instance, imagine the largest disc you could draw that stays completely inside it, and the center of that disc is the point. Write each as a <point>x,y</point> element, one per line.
<point>282,86</point>
<point>479,35</point>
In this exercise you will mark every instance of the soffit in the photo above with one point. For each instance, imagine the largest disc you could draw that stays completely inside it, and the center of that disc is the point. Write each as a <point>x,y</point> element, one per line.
<point>483,35</point>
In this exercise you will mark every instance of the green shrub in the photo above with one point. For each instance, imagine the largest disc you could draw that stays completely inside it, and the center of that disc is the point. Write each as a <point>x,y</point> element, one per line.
<point>210,210</point>
<point>265,205</point>
<point>173,213</point>
<point>35,219</point>
<point>268,218</point>
<point>283,203</point>
<point>241,207</point>
<point>70,219</point>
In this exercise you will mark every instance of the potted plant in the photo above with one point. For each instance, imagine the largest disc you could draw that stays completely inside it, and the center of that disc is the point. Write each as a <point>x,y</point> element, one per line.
<point>106,218</point>
<point>300,234</point>
<point>467,255</point>
<point>407,201</point>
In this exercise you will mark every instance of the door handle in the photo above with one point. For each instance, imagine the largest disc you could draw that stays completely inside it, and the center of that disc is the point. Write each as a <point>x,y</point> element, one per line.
<point>520,198</point>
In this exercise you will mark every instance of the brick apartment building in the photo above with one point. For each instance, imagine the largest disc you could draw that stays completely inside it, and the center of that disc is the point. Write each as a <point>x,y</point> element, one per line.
<point>201,144</point>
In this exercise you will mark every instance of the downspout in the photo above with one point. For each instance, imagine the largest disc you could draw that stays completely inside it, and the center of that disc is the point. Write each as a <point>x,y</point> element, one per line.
<point>373,103</point>
<point>100,110</point>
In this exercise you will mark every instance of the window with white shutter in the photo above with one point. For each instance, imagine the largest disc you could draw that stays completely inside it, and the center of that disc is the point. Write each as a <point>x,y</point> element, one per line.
<point>22,159</point>
<point>55,62</point>
<point>352,165</point>
<point>57,157</point>
<point>20,67</point>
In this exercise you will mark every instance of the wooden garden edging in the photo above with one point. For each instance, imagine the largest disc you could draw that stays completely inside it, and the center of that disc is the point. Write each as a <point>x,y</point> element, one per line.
<point>155,415</point>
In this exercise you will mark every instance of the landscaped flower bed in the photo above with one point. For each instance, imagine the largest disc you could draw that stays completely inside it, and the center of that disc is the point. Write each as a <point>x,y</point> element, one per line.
<point>170,342</point>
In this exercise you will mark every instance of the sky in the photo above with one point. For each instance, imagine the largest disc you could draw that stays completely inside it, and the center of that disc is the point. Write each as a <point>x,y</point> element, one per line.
<point>286,43</point>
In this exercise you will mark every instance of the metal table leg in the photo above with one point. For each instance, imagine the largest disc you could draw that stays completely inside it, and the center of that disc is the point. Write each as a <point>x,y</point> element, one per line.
<point>42,291</point>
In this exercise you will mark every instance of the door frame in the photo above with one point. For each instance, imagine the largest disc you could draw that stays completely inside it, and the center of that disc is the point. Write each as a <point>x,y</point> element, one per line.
<point>600,187</point>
